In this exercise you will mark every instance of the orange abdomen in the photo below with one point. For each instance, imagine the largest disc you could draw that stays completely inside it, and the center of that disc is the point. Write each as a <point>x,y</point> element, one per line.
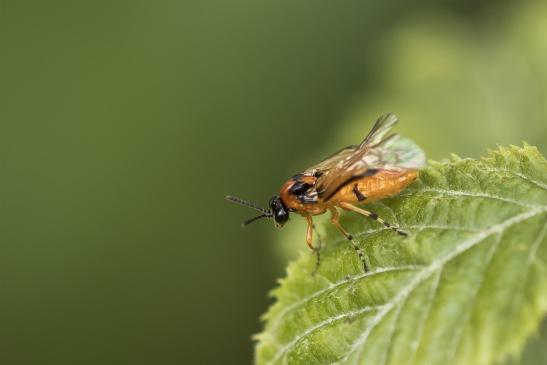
<point>383,184</point>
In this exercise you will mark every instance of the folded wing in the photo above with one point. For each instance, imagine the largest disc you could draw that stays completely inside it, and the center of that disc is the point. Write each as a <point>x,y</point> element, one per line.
<point>375,152</point>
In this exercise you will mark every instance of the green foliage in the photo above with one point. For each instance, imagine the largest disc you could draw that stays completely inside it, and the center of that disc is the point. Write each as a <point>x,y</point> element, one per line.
<point>468,286</point>
<point>495,69</point>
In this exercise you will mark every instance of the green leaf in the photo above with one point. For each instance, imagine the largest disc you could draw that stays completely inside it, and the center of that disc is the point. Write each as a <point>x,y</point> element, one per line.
<point>468,286</point>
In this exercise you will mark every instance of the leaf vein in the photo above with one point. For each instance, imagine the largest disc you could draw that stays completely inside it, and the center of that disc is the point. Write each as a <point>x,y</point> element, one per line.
<point>536,244</point>
<point>288,309</point>
<point>392,332</point>
<point>522,176</point>
<point>415,226</point>
<point>416,343</point>
<point>530,261</point>
<point>467,314</point>
<point>283,351</point>
<point>434,266</point>
<point>457,193</point>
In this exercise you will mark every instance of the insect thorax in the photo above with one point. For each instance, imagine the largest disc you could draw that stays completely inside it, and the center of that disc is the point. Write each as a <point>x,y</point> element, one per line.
<point>299,193</point>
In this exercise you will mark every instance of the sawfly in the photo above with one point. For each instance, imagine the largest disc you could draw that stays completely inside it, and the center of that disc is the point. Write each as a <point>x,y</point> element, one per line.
<point>380,166</point>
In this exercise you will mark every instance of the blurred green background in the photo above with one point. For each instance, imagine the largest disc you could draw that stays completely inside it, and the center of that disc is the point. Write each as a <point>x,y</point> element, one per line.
<point>123,124</point>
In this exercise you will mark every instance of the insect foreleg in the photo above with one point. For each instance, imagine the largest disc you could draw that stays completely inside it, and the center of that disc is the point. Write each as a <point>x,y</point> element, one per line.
<point>317,250</point>
<point>373,216</point>
<point>318,238</point>
<point>349,237</point>
<point>309,241</point>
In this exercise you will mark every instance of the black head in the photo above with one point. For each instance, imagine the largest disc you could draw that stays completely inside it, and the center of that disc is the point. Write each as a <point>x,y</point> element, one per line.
<point>279,211</point>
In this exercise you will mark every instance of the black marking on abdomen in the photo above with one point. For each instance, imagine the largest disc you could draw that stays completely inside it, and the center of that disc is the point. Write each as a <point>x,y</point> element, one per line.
<point>369,172</point>
<point>360,196</point>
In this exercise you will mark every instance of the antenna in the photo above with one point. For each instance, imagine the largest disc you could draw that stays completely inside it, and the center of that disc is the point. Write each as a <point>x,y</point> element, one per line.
<point>265,213</point>
<point>248,204</point>
<point>249,221</point>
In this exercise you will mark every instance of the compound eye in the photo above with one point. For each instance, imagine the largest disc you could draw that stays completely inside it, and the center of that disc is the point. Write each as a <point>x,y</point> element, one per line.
<point>280,213</point>
<point>281,216</point>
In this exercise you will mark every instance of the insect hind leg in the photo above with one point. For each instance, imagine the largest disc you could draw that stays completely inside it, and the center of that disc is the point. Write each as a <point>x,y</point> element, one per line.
<point>373,216</point>
<point>349,237</point>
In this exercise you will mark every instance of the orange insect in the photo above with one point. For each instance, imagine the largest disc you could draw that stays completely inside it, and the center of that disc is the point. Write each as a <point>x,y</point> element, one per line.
<point>359,174</point>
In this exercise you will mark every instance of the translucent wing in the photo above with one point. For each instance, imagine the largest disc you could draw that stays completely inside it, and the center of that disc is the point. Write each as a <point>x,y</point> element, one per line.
<point>374,153</point>
<point>380,129</point>
<point>331,161</point>
<point>395,153</point>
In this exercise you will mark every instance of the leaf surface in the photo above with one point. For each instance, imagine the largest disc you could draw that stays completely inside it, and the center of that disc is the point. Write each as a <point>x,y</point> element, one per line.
<point>468,286</point>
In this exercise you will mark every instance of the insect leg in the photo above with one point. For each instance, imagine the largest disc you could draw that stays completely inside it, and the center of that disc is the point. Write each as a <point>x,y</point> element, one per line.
<point>334,219</point>
<point>371,215</point>
<point>317,250</point>
<point>309,241</point>
<point>318,238</point>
